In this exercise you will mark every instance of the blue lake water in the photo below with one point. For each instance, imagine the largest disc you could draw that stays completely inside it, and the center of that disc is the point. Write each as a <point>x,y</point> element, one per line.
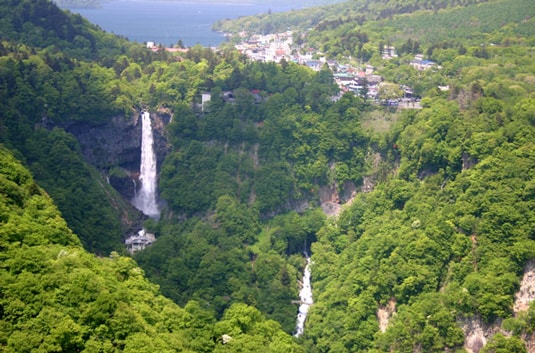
<point>166,22</point>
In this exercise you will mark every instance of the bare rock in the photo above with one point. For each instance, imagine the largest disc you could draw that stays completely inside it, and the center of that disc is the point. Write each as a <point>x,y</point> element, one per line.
<point>385,313</point>
<point>477,333</point>
<point>526,294</point>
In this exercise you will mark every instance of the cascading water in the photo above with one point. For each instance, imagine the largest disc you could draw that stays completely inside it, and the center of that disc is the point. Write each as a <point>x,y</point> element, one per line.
<point>305,296</point>
<point>145,199</point>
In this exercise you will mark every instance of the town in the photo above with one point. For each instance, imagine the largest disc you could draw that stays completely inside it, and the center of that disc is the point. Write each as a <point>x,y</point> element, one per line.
<point>361,80</point>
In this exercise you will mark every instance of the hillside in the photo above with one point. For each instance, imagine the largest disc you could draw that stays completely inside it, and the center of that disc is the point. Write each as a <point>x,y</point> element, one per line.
<point>56,297</point>
<point>416,201</point>
<point>331,17</point>
<point>41,24</point>
<point>98,3</point>
<point>360,28</point>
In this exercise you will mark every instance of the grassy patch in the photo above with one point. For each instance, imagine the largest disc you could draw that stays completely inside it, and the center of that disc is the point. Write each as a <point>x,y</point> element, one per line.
<point>379,120</point>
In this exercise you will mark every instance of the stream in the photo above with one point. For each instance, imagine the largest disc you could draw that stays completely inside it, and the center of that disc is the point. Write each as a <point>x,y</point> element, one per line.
<point>305,297</point>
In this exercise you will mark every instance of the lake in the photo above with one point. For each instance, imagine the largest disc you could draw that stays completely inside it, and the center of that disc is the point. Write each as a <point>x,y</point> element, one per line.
<point>166,22</point>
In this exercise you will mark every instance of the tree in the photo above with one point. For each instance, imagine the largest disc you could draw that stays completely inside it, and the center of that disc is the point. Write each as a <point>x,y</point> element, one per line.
<point>237,220</point>
<point>388,91</point>
<point>501,344</point>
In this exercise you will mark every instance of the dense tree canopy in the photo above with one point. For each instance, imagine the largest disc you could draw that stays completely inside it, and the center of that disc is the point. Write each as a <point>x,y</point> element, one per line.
<point>440,236</point>
<point>58,297</point>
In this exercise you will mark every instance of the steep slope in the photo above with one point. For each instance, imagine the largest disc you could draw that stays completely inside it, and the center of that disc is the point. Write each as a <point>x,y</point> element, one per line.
<point>360,29</point>
<point>41,24</point>
<point>333,17</point>
<point>57,297</point>
<point>46,86</point>
<point>441,246</point>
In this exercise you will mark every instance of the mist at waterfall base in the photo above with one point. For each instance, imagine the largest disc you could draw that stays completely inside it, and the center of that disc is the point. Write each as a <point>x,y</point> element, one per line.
<point>146,199</point>
<point>305,297</point>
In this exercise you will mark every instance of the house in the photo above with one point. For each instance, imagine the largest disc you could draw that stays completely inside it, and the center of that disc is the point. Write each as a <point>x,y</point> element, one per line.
<point>374,79</point>
<point>420,64</point>
<point>205,98</point>
<point>407,91</point>
<point>343,78</point>
<point>314,64</point>
<point>139,241</point>
<point>373,92</point>
<point>389,52</point>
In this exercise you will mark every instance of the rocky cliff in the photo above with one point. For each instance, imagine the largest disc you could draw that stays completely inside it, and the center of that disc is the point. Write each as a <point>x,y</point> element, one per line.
<point>477,333</point>
<point>114,148</point>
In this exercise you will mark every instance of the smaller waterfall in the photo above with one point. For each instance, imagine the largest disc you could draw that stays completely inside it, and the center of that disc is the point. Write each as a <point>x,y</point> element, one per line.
<point>305,296</point>
<point>145,200</point>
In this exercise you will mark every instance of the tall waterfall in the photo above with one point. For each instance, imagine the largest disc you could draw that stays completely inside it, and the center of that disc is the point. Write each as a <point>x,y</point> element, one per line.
<point>145,199</point>
<point>305,296</point>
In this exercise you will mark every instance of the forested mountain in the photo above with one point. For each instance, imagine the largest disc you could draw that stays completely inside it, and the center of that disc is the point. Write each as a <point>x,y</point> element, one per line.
<point>336,16</point>
<point>98,3</point>
<point>361,28</point>
<point>437,201</point>
<point>56,297</point>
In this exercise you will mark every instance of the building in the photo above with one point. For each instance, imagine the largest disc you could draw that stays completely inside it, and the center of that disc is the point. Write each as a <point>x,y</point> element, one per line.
<point>389,52</point>
<point>420,64</point>
<point>314,64</point>
<point>205,98</point>
<point>139,241</point>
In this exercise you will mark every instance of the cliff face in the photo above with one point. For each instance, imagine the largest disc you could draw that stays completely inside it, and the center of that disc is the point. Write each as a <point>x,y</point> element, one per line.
<point>118,142</point>
<point>115,147</point>
<point>477,333</point>
<point>114,144</point>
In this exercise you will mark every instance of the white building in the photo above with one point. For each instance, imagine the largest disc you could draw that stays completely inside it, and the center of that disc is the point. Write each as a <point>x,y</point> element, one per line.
<point>139,241</point>
<point>205,98</point>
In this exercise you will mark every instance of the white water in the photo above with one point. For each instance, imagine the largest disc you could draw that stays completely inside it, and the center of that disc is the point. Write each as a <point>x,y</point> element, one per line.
<point>305,296</point>
<point>145,200</point>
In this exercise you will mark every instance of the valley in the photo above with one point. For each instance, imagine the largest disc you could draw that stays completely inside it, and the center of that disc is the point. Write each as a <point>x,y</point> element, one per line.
<point>371,165</point>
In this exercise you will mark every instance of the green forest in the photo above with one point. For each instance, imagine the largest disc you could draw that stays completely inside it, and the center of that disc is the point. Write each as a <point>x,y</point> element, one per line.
<point>436,217</point>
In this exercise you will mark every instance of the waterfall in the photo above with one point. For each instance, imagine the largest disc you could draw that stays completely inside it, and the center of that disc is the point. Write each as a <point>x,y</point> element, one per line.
<point>305,296</point>
<point>145,199</point>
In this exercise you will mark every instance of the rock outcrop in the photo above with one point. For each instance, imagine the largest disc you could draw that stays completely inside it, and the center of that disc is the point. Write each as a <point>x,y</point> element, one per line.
<point>333,197</point>
<point>385,313</point>
<point>118,142</point>
<point>114,148</point>
<point>477,333</point>
<point>526,294</point>
<point>523,298</point>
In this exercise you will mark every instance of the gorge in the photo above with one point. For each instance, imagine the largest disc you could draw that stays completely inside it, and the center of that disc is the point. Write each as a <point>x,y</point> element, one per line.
<point>417,223</point>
